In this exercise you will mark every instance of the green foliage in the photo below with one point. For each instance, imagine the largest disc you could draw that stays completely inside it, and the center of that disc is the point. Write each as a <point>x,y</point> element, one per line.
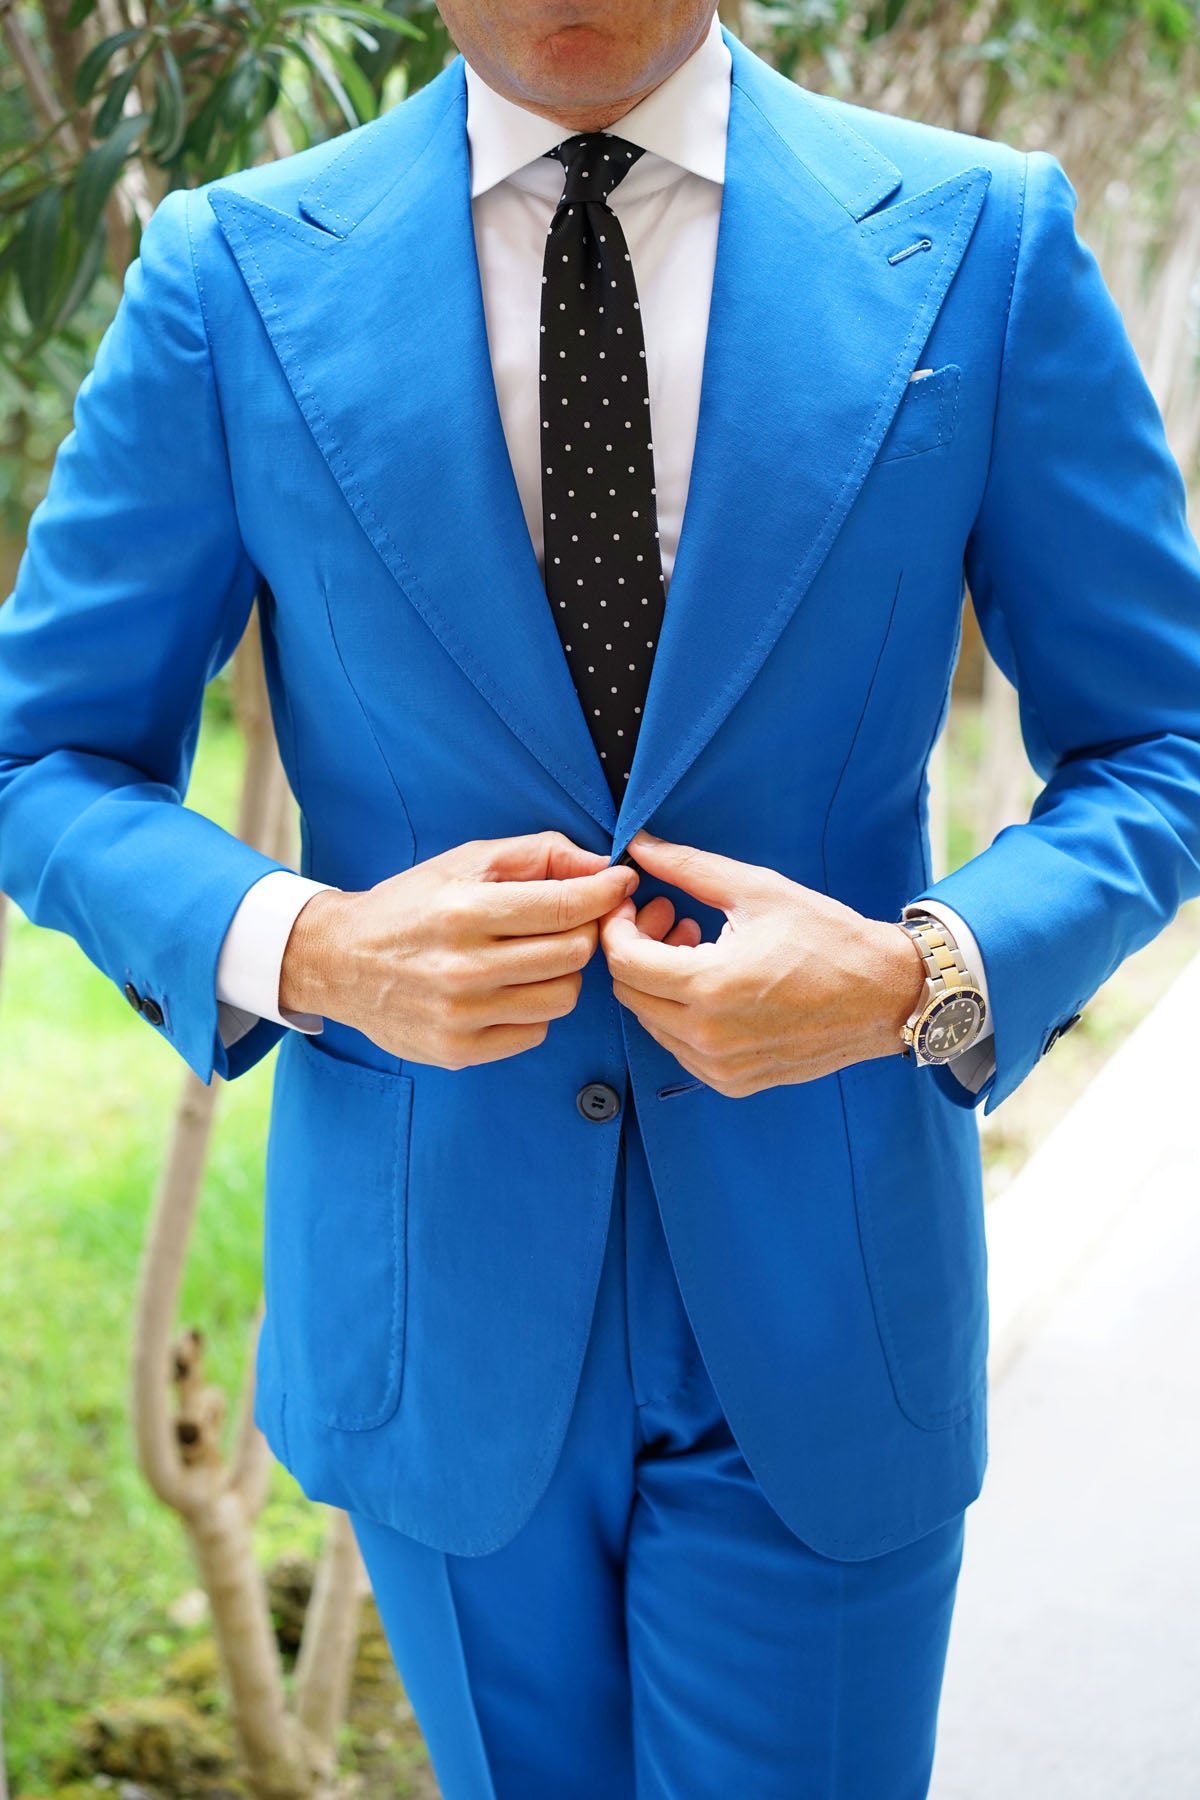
<point>186,97</point>
<point>1029,44</point>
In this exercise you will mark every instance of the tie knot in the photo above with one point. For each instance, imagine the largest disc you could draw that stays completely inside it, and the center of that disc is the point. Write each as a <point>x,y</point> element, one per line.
<point>594,161</point>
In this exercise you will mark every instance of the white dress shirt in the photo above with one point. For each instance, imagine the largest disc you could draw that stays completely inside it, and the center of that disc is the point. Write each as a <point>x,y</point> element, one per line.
<point>669,206</point>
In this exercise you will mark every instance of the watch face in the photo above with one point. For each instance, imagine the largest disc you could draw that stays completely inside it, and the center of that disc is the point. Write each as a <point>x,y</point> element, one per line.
<point>950,1026</point>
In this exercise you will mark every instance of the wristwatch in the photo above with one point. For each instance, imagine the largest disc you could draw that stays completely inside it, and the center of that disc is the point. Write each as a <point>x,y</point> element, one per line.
<point>949,1015</point>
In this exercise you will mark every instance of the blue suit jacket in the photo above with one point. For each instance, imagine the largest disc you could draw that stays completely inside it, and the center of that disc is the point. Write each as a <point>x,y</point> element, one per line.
<point>295,401</point>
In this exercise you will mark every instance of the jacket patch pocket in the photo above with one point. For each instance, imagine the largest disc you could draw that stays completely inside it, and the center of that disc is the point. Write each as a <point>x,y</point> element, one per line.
<point>918,1194</point>
<point>926,415</point>
<point>334,1268</point>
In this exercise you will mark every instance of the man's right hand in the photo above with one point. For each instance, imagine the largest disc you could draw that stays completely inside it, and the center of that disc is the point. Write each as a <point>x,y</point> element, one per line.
<point>462,959</point>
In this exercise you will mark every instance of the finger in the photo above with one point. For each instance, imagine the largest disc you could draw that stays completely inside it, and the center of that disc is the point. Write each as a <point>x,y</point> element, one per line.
<point>718,880</point>
<point>656,917</point>
<point>668,970</point>
<point>519,908</point>
<point>534,856</point>
<point>512,961</point>
<point>687,933</point>
<point>655,920</point>
<point>684,1055</point>
<point>671,1015</point>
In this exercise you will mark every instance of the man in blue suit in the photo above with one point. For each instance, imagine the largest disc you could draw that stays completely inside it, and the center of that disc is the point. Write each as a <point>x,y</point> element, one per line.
<point>624,1261</point>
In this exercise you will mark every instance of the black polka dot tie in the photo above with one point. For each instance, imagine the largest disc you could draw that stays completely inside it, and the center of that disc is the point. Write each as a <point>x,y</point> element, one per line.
<point>604,574</point>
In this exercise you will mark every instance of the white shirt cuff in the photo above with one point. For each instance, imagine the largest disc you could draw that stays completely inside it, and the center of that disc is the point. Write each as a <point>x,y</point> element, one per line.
<point>251,956</point>
<point>978,1064</point>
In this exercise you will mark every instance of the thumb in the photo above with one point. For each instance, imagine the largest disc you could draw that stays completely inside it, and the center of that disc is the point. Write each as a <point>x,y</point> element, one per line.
<point>719,881</point>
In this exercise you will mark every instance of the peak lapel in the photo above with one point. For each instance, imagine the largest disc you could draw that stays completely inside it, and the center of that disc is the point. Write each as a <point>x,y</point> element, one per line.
<point>373,304</point>
<point>812,336</point>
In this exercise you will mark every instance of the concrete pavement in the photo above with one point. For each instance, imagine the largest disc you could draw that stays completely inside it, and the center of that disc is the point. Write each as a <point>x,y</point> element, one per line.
<point>1074,1664</point>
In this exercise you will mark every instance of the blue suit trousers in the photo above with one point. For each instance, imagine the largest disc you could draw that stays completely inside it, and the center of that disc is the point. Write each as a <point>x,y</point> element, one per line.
<point>654,1628</point>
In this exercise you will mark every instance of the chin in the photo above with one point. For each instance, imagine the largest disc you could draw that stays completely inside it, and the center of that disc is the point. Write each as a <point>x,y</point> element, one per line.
<point>581,63</point>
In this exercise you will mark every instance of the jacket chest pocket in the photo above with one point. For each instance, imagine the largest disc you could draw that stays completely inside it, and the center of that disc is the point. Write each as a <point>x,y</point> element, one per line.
<point>926,415</point>
<point>334,1266</point>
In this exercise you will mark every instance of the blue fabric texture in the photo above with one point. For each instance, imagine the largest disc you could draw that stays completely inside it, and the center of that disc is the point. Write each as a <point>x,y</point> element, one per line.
<point>271,415</point>
<point>654,1628</point>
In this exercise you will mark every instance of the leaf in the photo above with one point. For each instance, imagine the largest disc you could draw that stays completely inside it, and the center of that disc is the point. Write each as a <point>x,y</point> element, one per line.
<point>114,101</point>
<point>197,140</point>
<point>362,36</point>
<point>265,97</point>
<point>359,89</point>
<point>100,168</point>
<point>360,10</point>
<point>96,61</point>
<point>240,91</point>
<point>79,11</point>
<point>312,55</point>
<point>87,269</point>
<point>37,242</point>
<point>169,121</point>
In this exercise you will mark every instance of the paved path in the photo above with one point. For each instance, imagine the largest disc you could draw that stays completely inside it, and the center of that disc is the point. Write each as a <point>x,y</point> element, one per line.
<point>1074,1666</point>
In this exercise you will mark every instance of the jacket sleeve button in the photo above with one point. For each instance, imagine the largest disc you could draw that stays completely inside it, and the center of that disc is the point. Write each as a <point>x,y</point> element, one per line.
<point>132,995</point>
<point>152,1012</point>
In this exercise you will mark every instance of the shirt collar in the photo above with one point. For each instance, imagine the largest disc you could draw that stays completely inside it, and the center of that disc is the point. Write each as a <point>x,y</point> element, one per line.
<point>685,120</point>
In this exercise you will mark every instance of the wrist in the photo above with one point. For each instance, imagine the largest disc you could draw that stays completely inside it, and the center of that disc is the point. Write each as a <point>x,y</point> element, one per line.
<point>310,955</point>
<point>901,983</point>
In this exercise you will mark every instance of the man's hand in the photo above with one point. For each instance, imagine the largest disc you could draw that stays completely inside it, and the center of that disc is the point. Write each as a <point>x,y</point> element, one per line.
<point>462,959</point>
<point>796,985</point>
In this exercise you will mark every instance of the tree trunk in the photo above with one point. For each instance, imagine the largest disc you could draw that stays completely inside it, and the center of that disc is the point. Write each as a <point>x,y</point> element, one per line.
<point>326,1659</point>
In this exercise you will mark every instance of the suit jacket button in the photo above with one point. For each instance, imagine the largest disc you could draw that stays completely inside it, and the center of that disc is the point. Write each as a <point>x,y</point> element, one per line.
<point>598,1101</point>
<point>1058,1030</point>
<point>132,995</point>
<point>152,1011</point>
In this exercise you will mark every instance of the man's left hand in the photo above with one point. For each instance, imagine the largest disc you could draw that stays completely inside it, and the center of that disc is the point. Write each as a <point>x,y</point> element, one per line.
<point>795,986</point>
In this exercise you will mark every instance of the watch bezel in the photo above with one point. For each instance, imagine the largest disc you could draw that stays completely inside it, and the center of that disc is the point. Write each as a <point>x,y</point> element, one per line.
<point>937,1004</point>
